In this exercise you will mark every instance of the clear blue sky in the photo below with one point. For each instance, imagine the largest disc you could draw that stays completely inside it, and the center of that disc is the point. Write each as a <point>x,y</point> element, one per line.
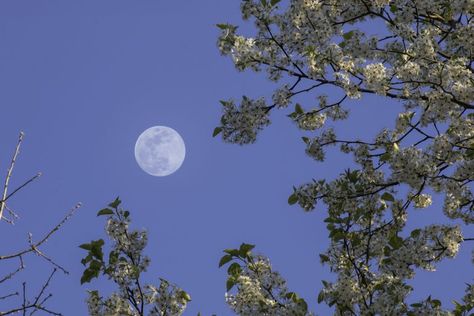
<point>84,78</point>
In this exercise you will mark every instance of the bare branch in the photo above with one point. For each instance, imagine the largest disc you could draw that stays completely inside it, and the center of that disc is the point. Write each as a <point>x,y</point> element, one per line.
<point>45,238</point>
<point>10,275</point>
<point>37,304</point>
<point>9,173</point>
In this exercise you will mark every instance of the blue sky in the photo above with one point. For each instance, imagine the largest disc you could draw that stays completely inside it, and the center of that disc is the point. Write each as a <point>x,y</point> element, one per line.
<point>84,78</point>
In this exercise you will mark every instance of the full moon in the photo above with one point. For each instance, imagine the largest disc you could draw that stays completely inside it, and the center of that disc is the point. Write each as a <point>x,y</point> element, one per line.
<point>160,151</point>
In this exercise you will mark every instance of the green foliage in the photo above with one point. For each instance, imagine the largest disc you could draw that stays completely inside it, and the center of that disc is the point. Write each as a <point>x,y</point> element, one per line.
<point>292,199</point>
<point>217,131</point>
<point>115,204</point>
<point>387,197</point>
<point>93,261</point>
<point>105,211</point>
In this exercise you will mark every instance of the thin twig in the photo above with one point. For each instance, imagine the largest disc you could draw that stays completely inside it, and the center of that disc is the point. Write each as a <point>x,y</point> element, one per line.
<point>37,304</point>
<point>11,274</point>
<point>41,254</point>
<point>9,173</point>
<point>9,295</point>
<point>24,298</point>
<point>22,186</point>
<point>45,238</point>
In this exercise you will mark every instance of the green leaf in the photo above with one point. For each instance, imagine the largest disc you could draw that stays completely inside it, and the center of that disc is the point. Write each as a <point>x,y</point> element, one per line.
<point>385,157</point>
<point>355,241</point>
<point>379,286</point>
<point>339,235</point>
<point>348,35</point>
<point>435,303</point>
<point>324,258</point>
<point>113,257</point>
<point>217,131</point>
<point>292,199</point>
<point>234,269</point>
<point>387,197</point>
<point>96,249</point>
<point>86,246</point>
<point>470,153</point>
<point>95,265</point>
<point>224,260</point>
<point>393,8</point>
<point>230,283</point>
<point>245,249</point>
<point>395,241</point>
<point>386,261</point>
<point>336,234</point>
<point>263,2</point>
<point>233,252</point>
<point>88,275</point>
<point>274,2</point>
<point>320,296</point>
<point>330,219</point>
<point>293,115</point>
<point>105,211</point>
<point>222,27</point>
<point>292,296</point>
<point>97,252</point>
<point>115,203</point>
<point>85,260</point>
<point>126,214</point>
<point>306,140</point>
<point>304,305</point>
<point>223,102</point>
<point>299,109</point>
<point>353,176</point>
<point>186,296</point>
<point>415,233</point>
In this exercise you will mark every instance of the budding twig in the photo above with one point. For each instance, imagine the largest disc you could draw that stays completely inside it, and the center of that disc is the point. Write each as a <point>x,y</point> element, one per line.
<point>9,173</point>
<point>45,238</point>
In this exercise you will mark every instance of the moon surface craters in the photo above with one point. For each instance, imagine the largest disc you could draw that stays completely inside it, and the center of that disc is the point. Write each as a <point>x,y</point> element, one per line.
<point>160,151</point>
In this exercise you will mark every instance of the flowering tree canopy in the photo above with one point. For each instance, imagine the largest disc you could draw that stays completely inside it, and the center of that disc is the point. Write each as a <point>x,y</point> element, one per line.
<point>126,262</point>
<point>422,57</point>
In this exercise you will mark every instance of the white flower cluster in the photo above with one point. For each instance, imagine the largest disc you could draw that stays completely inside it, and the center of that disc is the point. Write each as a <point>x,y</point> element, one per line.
<point>262,291</point>
<point>167,299</point>
<point>125,265</point>
<point>422,200</point>
<point>241,124</point>
<point>376,77</point>
<point>244,52</point>
<point>422,249</point>
<point>114,305</point>
<point>311,121</point>
<point>281,97</point>
<point>315,146</point>
<point>411,165</point>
